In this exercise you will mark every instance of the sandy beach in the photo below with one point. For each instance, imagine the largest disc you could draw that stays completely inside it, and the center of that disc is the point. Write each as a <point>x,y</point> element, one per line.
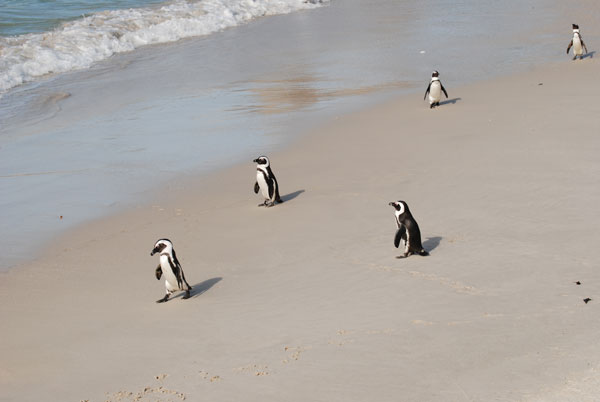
<point>307,301</point>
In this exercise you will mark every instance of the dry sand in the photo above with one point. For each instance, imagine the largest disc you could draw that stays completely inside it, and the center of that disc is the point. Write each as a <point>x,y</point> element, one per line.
<point>307,301</point>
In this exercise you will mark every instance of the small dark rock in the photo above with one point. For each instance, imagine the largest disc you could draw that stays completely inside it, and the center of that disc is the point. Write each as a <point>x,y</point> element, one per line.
<point>586,300</point>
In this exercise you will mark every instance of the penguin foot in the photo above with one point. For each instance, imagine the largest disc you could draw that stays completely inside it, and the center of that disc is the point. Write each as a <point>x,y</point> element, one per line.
<point>164,299</point>
<point>264,204</point>
<point>423,252</point>
<point>187,295</point>
<point>431,106</point>
<point>271,204</point>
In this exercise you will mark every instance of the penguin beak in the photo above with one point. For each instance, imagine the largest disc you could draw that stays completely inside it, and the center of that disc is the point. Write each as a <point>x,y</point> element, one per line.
<point>255,161</point>
<point>391,203</point>
<point>153,252</point>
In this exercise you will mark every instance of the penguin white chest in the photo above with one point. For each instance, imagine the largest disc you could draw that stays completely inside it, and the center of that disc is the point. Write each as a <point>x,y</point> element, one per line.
<point>170,278</point>
<point>398,223</point>
<point>264,187</point>
<point>435,92</point>
<point>577,48</point>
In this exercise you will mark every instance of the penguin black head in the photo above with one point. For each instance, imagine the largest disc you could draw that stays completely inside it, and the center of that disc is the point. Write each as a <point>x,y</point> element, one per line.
<point>435,74</point>
<point>262,161</point>
<point>399,206</point>
<point>575,26</point>
<point>162,245</point>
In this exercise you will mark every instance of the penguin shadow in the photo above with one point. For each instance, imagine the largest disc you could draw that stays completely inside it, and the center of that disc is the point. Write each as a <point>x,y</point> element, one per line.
<point>431,243</point>
<point>291,196</point>
<point>202,287</point>
<point>589,54</point>
<point>453,101</point>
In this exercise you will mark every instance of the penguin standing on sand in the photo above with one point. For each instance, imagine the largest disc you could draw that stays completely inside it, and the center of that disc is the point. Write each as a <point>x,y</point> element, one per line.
<point>577,44</point>
<point>266,182</point>
<point>408,230</point>
<point>434,89</point>
<point>171,268</point>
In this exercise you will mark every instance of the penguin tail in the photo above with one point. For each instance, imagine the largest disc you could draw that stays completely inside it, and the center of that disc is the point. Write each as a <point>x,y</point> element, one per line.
<point>423,252</point>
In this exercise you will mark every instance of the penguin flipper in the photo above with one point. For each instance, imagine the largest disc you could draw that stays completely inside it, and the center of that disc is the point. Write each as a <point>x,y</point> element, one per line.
<point>400,234</point>
<point>444,89</point>
<point>256,188</point>
<point>427,91</point>
<point>158,272</point>
<point>569,47</point>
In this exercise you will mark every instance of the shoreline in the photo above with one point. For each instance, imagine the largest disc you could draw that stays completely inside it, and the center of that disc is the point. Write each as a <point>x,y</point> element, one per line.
<point>310,291</point>
<point>217,111</point>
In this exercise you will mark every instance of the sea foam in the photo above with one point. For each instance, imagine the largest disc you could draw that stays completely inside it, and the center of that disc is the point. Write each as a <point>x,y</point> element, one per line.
<point>80,43</point>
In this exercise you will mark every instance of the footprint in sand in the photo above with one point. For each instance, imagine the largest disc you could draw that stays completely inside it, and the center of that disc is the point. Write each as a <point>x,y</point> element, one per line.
<point>342,338</point>
<point>293,353</point>
<point>208,377</point>
<point>154,394</point>
<point>256,369</point>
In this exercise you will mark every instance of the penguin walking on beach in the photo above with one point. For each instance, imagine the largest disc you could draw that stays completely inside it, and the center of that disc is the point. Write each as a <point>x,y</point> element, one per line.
<point>170,267</point>
<point>577,44</point>
<point>408,230</point>
<point>266,182</point>
<point>434,89</point>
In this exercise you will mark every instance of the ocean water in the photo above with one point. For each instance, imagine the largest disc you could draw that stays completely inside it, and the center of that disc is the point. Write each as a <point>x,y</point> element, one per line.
<point>101,112</point>
<point>40,37</point>
<point>19,17</point>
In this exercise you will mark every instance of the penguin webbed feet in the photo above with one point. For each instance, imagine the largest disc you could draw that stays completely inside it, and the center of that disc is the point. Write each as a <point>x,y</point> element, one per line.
<point>187,294</point>
<point>164,299</point>
<point>422,252</point>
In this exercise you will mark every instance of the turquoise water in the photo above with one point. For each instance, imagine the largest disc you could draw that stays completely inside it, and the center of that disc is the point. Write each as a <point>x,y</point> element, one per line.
<point>19,17</point>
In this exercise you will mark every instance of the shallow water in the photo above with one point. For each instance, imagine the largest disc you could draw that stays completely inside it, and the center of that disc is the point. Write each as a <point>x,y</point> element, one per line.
<point>91,142</point>
<point>19,17</point>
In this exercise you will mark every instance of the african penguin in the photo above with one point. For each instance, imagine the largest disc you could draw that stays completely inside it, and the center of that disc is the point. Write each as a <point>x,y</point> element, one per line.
<point>434,89</point>
<point>408,230</point>
<point>169,266</point>
<point>266,182</point>
<point>577,44</point>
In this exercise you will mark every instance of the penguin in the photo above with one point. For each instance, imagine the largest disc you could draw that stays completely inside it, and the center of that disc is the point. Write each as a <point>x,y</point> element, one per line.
<point>577,44</point>
<point>266,182</point>
<point>169,266</point>
<point>434,89</point>
<point>408,230</point>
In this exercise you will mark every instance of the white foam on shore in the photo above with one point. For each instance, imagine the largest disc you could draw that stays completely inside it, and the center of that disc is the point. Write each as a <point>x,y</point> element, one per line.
<point>81,43</point>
